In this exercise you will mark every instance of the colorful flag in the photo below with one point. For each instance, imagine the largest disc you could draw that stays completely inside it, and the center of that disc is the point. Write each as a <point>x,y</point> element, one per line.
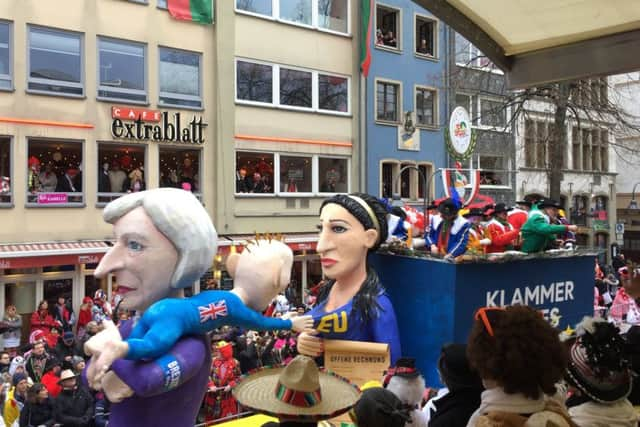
<point>192,10</point>
<point>367,27</point>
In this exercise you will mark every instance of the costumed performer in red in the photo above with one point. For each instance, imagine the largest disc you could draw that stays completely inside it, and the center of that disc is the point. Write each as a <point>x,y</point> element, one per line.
<point>352,305</point>
<point>502,234</point>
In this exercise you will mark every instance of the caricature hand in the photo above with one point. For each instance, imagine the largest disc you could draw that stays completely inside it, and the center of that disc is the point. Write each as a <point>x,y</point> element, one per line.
<point>434,250</point>
<point>289,315</point>
<point>310,345</point>
<point>300,323</point>
<point>485,242</point>
<point>104,348</point>
<point>115,389</point>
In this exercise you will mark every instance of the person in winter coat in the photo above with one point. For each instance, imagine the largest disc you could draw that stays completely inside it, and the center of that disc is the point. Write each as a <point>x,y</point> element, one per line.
<point>12,336</point>
<point>501,232</point>
<point>38,410</point>
<point>15,400</point>
<point>538,233</point>
<point>36,362</point>
<point>41,319</point>
<point>52,376</point>
<point>74,406</point>
<point>85,315</point>
<point>64,314</point>
<point>66,349</point>
<point>464,388</point>
<point>520,358</point>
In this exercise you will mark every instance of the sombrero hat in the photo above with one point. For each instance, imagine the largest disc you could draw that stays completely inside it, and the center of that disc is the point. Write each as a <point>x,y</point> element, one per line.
<point>299,391</point>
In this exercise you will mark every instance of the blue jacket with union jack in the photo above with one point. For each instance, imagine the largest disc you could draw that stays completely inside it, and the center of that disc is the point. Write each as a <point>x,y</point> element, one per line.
<point>162,325</point>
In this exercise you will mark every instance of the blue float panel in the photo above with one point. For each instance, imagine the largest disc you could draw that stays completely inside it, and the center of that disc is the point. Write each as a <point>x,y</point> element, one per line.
<point>435,300</point>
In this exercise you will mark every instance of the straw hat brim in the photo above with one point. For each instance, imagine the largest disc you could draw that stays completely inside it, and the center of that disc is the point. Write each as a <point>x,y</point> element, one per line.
<point>256,391</point>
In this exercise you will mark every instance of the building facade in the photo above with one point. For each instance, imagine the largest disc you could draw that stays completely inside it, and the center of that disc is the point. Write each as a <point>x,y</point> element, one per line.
<point>479,86</point>
<point>588,187</point>
<point>405,102</point>
<point>101,98</point>
<point>627,91</point>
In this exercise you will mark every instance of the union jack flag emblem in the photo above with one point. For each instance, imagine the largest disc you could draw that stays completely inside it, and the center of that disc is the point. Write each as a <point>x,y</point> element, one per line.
<point>212,311</point>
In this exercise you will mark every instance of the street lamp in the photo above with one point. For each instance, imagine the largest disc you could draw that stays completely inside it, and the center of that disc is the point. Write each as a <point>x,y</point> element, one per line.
<point>633,204</point>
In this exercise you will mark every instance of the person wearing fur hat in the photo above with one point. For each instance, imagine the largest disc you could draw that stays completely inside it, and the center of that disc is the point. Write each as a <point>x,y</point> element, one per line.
<point>501,232</point>
<point>449,238</point>
<point>539,232</point>
<point>520,359</point>
<point>464,387</point>
<point>599,375</point>
<point>299,394</point>
<point>406,382</point>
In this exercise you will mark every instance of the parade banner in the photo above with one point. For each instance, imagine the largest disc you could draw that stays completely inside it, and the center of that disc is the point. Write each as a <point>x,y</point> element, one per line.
<point>435,300</point>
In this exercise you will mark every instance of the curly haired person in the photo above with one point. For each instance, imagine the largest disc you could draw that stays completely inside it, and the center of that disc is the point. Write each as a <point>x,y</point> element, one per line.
<point>520,359</point>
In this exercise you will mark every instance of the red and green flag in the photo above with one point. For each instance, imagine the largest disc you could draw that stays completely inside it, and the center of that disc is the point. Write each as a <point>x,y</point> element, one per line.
<point>192,10</point>
<point>367,29</point>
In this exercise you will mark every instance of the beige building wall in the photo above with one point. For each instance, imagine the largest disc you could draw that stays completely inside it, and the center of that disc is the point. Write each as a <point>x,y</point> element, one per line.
<point>117,19</point>
<point>290,132</point>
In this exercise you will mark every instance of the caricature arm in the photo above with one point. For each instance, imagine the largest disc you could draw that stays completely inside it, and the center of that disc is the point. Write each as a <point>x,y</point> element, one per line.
<point>385,327</point>
<point>150,378</point>
<point>248,318</point>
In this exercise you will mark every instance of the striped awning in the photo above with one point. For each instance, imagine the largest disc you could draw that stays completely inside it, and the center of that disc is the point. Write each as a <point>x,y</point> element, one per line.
<point>296,241</point>
<point>43,254</point>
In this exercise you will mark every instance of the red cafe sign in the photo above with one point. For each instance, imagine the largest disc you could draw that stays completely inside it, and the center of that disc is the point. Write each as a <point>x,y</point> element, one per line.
<point>126,113</point>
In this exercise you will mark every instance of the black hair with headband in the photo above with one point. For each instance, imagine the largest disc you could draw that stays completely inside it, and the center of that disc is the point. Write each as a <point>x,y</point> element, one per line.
<point>365,302</point>
<point>373,215</point>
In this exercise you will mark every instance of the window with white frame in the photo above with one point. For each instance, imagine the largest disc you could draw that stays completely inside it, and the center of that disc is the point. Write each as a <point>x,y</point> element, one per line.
<point>333,93</point>
<point>388,170</point>
<point>493,113</point>
<point>298,88</point>
<point>180,168</point>
<point>286,173</point>
<point>333,175</point>
<point>426,106</point>
<point>333,15</point>
<point>122,70</point>
<point>387,27</point>
<point>179,75</point>
<point>468,55</point>
<point>6,49</point>
<point>295,174</point>
<point>254,172</point>
<point>468,103</point>
<point>493,170</point>
<point>426,36</point>
<point>259,7</point>
<point>329,15</point>
<point>55,172</point>
<point>410,184</point>
<point>121,169</point>
<point>387,101</point>
<point>254,82</point>
<point>297,11</point>
<point>6,193</point>
<point>55,62</point>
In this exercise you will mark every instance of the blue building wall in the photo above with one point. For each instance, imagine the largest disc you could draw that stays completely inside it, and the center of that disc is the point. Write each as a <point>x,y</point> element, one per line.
<point>406,67</point>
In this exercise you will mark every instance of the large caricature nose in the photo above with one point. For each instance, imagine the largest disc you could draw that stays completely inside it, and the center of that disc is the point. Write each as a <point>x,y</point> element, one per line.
<point>325,242</point>
<point>111,262</point>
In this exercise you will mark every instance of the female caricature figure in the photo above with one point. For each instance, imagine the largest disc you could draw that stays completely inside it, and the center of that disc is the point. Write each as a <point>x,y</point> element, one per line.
<point>352,305</point>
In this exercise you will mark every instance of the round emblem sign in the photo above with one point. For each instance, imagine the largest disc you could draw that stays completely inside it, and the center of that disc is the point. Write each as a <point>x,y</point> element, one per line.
<point>460,131</point>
